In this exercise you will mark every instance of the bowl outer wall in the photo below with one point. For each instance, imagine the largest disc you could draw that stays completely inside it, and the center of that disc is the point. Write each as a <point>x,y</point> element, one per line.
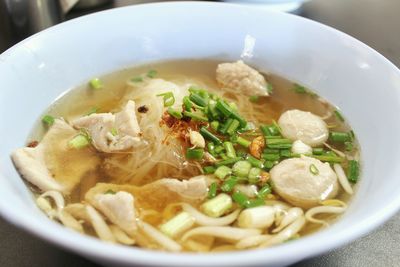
<point>346,72</point>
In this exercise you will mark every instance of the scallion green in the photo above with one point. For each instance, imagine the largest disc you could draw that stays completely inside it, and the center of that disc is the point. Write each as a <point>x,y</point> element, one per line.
<point>194,153</point>
<point>96,83</point>
<point>222,171</point>
<point>195,116</point>
<point>48,120</point>
<point>169,98</point>
<point>174,113</point>
<point>212,190</point>
<point>209,136</point>
<point>229,184</point>
<point>353,171</point>
<point>241,168</point>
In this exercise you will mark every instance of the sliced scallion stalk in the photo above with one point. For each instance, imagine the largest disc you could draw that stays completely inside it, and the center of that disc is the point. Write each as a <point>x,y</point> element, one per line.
<point>178,224</point>
<point>241,168</point>
<point>79,141</point>
<point>48,120</point>
<point>217,206</point>
<point>194,153</point>
<point>222,171</point>
<point>96,83</point>
<point>353,171</point>
<point>230,150</point>
<point>209,136</point>
<point>212,190</point>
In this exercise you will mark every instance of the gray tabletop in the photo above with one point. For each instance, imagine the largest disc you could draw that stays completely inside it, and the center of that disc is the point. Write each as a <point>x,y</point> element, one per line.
<point>374,22</point>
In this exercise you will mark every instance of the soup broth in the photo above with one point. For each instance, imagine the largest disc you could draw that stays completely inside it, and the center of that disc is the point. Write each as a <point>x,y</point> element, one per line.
<point>178,142</point>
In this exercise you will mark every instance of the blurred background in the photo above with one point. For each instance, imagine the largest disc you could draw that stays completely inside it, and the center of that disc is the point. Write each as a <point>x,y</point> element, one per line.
<point>374,22</point>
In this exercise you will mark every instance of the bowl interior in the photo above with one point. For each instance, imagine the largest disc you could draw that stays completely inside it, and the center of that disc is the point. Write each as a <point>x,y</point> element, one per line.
<point>346,72</point>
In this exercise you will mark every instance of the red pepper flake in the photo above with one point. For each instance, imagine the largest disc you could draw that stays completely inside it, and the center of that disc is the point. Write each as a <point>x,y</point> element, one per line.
<point>32,144</point>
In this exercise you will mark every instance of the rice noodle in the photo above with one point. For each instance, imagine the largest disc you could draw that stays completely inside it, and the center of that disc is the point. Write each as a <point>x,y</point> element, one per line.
<point>205,220</point>
<point>229,233</point>
<point>309,215</point>
<point>291,215</point>
<point>344,182</point>
<point>69,221</point>
<point>121,236</point>
<point>56,196</point>
<point>286,233</point>
<point>99,225</point>
<point>163,240</point>
<point>252,241</point>
<point>338,152</point>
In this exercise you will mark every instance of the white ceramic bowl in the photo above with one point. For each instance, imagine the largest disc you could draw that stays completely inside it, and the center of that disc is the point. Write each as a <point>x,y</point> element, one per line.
<point>348,73</point>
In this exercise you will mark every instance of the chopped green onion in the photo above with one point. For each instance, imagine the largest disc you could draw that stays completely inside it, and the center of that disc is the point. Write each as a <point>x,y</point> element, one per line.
<point>217,206</point>
<point>187,103</point>
<point>169,98</point>
<point>214,125</point>
<point>219,149</point>
<point>240,199</point>
<point>313,169</point>
<point>255,162</point>
<point>194,153</point>
<point>209,169</point>
<point>227,161</point>
<point>198,100</point>
<point>178,224</point>
<point>233,106</point>
<point>271,151</point>
<point>269,130</point>
<point>254,175</point>
<point>232,127</point>
<point>242,121</point>
<point>79,141</point>
<point>223,108</point>
<point>137,79</point>
<point>264,191</point>
<point>223,156</point>
<point>243,142</point>
<point>285,153</point>
<point>229,184</point>
<point>318,151</point>
<point>211,147</point>
<point>270,157</point>
<point>92,111</point>
<point>348,146</point>
<point>328,158</point>
<point>195,116</point>
<point>353,171</point>
<point>269,164</point>
<point>209,136</point>
<point>114,131</point>
<point>303,90</point>
<point>225,126</point>
<point>110,192</point>
<point>270,88</point>
<point>222,171</point>
<point>230,150</point>
<point>241,168</point>
<point>48,120</point>
<point>255,203</point>
<point>212,190</point>
<point>96,83</point>
<point>339,115</point>
<point>254,98</point>
<point>174,113</point>
<point>151,73</point>
<point>339,137</point>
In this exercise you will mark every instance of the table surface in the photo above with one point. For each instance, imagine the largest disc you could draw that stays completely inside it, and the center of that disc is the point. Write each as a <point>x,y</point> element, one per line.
<point>371,21</point>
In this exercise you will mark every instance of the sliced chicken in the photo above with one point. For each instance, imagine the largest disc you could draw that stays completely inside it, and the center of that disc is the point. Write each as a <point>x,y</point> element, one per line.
<point>159,194</point>
<point>304,126</point>
<point>53,165</point>
<point>112,132</point>
<point>241,77</point>
<point>118,208</point>
<point>304,182</point>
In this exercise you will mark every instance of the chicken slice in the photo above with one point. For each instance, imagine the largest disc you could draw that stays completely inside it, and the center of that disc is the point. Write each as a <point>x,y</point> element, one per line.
<point>304,182</point>
<point>118,208</point>
<point>159,194</point>
<point>304,126</point>
<point>112,132</point>
<point>53,165</point>
<point>240,76</point>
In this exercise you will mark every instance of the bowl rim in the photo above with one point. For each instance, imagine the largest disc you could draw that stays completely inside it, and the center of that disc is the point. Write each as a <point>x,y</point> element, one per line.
<point>92,247</point>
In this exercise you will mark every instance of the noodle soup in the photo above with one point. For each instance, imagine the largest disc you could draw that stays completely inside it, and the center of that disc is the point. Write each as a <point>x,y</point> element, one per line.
<point>196,156</point>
